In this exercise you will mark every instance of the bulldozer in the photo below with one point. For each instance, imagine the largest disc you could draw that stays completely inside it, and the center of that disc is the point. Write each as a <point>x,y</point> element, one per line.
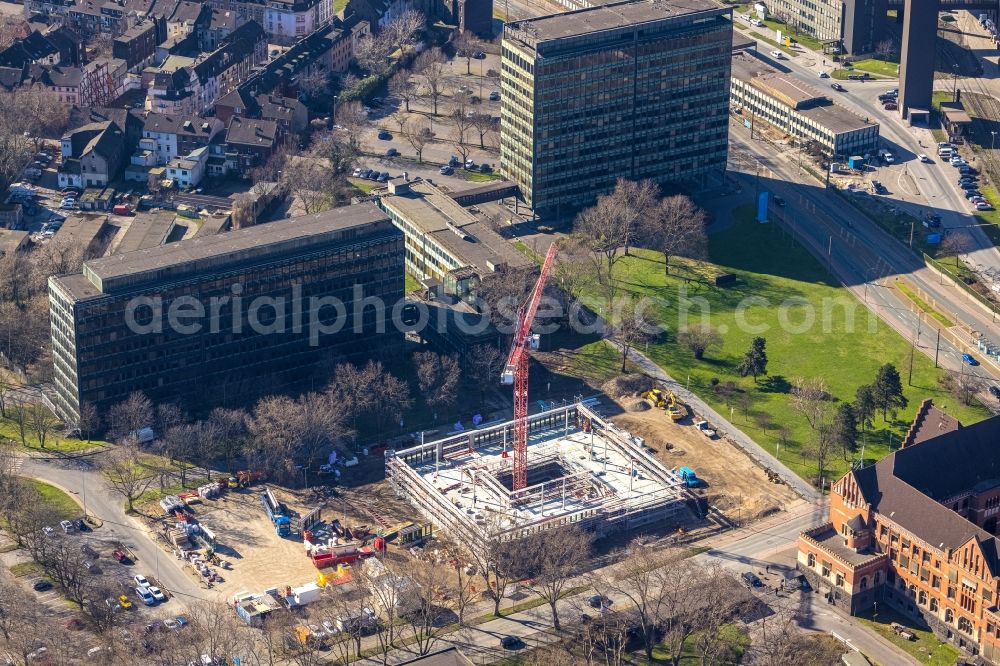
<point>656,397</point>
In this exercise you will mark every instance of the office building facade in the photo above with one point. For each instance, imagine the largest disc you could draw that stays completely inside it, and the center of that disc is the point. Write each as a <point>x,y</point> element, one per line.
<point>227,317</point>
<point>855,26</point>
<point>628,89</point>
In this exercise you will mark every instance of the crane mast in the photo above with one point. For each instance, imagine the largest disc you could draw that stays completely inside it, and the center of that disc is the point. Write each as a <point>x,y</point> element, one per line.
<point>516,371</point>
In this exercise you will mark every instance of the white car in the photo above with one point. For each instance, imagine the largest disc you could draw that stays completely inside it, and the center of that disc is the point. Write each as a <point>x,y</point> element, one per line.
<point>67,526</point>
<point>923,158</point>
<point>141,580</point>
<point>157,593</point>
<point>777,55</point>
<point>143,593</point>
<point>330,628</point>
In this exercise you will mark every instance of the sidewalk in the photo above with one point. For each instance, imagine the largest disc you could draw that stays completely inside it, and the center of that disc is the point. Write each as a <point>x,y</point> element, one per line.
<point>724,427</point>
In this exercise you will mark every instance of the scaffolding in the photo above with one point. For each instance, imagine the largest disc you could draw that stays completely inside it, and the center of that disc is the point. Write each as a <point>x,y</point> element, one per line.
<point>582,470</point>
<point>97,87</point>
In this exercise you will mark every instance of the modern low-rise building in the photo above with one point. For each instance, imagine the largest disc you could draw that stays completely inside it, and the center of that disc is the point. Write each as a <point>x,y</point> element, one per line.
<point>626,89</point>
<point>762,95</point>
<point>917,532</point>
<point>223,317</point>
<point>446,245</point>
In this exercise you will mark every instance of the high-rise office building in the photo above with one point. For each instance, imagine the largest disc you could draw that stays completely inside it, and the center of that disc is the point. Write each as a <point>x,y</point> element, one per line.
<point>217,319</point>
<point>628,89</point>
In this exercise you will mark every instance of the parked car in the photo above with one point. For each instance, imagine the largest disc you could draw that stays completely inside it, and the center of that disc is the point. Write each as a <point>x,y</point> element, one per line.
<point>469,164</point>
<point>984,205</point>
<point>968,185</point>
<point>383,177</point>
<point>141,580</point>
<point>750,579</point>
<point>510,642</point>
<point>145,596</point>
<point>356,173</point>
<point>479,55</point>
<point>824,75</point>
<point>485,168</point>
<point>600,602</point>
<point>157,593</point>
<point>67,526</point>
<point>41,586</point>
<point>995,392</point>
<point>446,170</point>
<point>969,360</point>
<point>890,106</point>
<point>391,152</point>
<point>879,187</point>
<point>384,135</point>
<point>494,96</point>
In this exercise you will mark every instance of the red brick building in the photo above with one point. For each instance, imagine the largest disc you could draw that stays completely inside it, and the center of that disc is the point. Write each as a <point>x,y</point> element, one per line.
<point>917,531</point>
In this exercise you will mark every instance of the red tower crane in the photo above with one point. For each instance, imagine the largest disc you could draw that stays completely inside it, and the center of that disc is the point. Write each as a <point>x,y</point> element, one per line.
<point>516,371</point>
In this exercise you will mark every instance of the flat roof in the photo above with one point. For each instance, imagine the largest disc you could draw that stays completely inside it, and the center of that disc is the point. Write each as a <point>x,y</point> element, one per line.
<point>438,216</point>
<point>796,93</point>
<point>80,230</point>
<point>604,17</point>
<point>147,230</point>
<point>955,112</point>
<point>215,252</point>
<point>11,240</point>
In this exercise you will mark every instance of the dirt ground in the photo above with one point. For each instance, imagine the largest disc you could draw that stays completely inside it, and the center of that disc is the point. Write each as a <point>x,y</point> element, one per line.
<point>730,480</point>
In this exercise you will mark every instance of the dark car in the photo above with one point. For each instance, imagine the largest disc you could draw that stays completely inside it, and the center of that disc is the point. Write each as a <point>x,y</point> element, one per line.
<point>967,185</point>
<point>969,360</point>
<point>479,55</point>
<point>384,135</point>
<point>41,586</point>
<point>485,168</point>
<point>838,87</point>
<point>995,392</point>
<point>879,187</point>
<point>972,194</point>
<point>890,106</point>
<point>391,152</point>
<point>600,602</point>
<point>510,642</point>
<point>779,202</point>
<point>750,579</point>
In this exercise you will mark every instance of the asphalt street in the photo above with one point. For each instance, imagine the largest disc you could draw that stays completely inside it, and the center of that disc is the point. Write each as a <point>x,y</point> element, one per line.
<point>79,475</point>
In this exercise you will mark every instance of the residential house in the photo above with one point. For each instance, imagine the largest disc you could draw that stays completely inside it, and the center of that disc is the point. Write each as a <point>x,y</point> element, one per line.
<point>222,24</point>
<point>137,45</point>
<point>249,144</point>
<point>175,92</point>
<point>188,171</point>
<point>289,113</point>
<point>92,155</point>
<point>35,49</point>
<point>379,13</point>
<point>171,136</point>
<point>287,21</point>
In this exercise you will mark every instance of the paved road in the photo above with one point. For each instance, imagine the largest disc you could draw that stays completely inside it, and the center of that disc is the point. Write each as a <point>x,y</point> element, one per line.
<point>739,550</point>
<point>79,476</point>
<point>863,256</point>
<point>935,181</point>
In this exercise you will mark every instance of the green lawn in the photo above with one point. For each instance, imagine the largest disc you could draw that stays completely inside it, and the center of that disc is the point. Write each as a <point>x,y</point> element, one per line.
<point>338,6</point>
<point>55,441</point>
<point>880,67</point>
<point>25,569</point>
<point>597,361</point>
<point>927,649</point>
<point>732,634</point>
<point>922,304</point>
<point>846,350</point>
<point>770,40</point>
<point>62,505</point>
<point>363,186</point>
<point>477,177</point>
<point>412,284</point>
<point>938,97</point>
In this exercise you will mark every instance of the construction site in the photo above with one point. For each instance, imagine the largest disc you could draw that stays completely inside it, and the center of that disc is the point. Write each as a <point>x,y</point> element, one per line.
<point>581,469</point>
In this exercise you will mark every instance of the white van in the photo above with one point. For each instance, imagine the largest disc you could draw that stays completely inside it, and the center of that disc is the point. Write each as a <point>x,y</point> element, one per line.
<point>757,23</point>
<point>777,55</point>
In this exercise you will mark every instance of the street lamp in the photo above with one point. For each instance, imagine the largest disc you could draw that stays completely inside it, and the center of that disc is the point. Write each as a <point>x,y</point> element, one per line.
<point>993,140</point>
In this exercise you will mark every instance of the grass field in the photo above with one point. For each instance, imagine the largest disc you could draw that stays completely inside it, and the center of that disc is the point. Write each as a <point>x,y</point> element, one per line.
<point>63,506</point>
<point>597,361</point>
<point>880,67</point>
<point>55,441</point>
<point>412,284</point>
<point>922,304</point>
<point>845,344</point>
<point>477,177</point>
<point>734,636</point>
<point>338,6</point>
<point>927,649</point>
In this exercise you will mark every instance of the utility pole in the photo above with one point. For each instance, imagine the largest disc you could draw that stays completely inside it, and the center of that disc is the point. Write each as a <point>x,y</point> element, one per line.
<point>937,348</point>
<point>911,233</point>
<point>909,378</point>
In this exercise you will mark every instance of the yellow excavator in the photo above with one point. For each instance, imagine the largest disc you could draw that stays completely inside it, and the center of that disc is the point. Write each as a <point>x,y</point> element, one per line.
<point>675,408</point>
<point>656,397</point>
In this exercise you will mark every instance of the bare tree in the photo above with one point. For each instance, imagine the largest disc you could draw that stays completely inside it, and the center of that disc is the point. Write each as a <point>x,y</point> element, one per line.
<point>963,385</point>
<point>463,123</point>
<point>603,230</point>
<point>401,86</point>
<point>20,410</point>
<point>64,563</point>
<point>125,473</point>
<point>430,64</point>
<point>677,227</point>
<point>311,183</point>
<point>243,210</point>
<point>811,399</point>
<point>437,377</point>
<point>418,134</point>
<point>885,49</point>
<point>632,326</point>
<point>43,422</point>
<point>699,339</point>
<point>551,559</point>
<point>372,52</point>
<point>7,386</point>
<point>484,123</point>
<point>425,616</point>
<point>466,45</point>
<point>635,202</point>
<point>130,416</point>
<point>495,561</point>
<point>224,436</point>
<point>483,364</point>
<point>390,590</point>
<point>401,32</point>
<point>400,119</point>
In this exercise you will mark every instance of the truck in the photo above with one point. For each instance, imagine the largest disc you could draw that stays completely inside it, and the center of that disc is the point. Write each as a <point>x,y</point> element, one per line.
<point>688,476</point>
<point>121,209</point>
<point>705,429</point>
<point>277,512</point>
<point>244,478</point>
<point>886,156</point>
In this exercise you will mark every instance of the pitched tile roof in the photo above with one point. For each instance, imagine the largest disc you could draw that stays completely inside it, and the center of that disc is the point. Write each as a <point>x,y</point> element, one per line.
<point>909,485</point>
